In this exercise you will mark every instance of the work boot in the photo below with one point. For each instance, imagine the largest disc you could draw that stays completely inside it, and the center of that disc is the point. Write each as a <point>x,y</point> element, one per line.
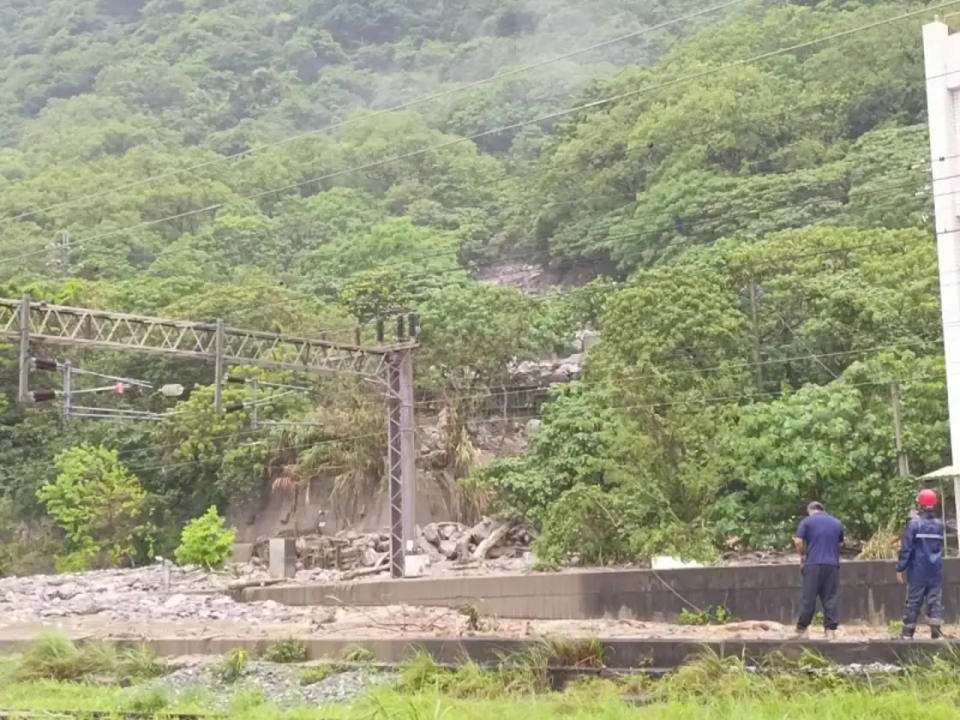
<point>801,634</point>
<point>831,634</point>
<point>936,632</point>
<point>907,633</point>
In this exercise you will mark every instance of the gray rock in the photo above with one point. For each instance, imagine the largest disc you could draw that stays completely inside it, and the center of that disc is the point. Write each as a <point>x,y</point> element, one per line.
<point>448,548</point>
<point>430,534</point>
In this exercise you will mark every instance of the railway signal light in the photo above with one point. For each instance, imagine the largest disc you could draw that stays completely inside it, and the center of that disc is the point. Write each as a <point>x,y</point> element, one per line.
<point>173,390</point>
<point>41,364</point>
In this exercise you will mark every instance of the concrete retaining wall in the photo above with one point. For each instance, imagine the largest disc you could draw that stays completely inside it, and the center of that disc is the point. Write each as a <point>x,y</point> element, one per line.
<point>869,592</point>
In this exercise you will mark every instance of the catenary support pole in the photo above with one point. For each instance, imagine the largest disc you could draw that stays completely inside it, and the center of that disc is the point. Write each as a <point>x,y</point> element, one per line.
<point>903,462</point>
<point>67,390</point>
<point>218,367</point>
<point>24,356</point>
<point>254,397</point>
<point>941,52</point>
<point>394,465</point>
<point>401,458</point>
<point>408,470</point>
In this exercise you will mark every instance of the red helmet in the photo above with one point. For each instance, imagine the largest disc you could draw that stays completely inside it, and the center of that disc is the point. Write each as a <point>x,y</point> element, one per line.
<point>927,498</point>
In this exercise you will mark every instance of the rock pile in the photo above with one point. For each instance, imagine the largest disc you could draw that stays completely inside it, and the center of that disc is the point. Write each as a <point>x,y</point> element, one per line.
<point>349,552</point>
<point>488,539</point>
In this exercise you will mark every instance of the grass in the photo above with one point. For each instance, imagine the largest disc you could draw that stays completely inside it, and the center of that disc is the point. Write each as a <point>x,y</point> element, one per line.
<point>597,700</point>
<point>709,688</point>
<point>233,664</point>
<point>55,657</point>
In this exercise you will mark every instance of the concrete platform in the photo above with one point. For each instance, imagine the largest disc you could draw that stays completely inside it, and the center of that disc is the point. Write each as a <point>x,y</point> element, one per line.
<point>870,593</point>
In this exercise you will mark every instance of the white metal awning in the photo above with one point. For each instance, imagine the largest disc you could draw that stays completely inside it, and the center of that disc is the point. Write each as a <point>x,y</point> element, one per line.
<point>944,473</point>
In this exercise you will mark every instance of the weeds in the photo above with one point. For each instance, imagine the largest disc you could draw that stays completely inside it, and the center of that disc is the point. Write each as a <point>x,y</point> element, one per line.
<point>286,651</point>
<point>139,663</point>
<point>884,545</point>
<point>56,657</point>
<point>575,653</point>
<point>149,701</point>
<point>713,615</point>
<point>357,654</point>
<point>246,699</point>
<point>314,675</point>
<point>233,665</point>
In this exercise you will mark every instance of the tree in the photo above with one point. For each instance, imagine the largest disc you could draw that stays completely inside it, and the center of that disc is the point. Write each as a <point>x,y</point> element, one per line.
<point>833,443</point>
<point>99,506</point>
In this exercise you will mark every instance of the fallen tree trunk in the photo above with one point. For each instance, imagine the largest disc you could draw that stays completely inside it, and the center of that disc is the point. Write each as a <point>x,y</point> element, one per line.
<point>362,572</point>
<point>484,548</point>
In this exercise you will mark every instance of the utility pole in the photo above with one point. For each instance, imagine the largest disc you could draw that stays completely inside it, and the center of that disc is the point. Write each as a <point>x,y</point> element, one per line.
<point>754,315</point>
<point>24,340</point>
<point>218,367</point>
<point>66,240</point>
<point>67,390</point>
<point>903,462</point>
<point>942,71</point>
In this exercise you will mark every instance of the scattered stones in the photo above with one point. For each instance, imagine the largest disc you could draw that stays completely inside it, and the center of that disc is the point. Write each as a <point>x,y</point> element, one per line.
<point>139,593</point>
<point>280,685</point>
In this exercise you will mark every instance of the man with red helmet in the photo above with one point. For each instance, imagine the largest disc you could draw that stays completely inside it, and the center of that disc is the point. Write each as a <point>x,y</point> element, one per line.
<point>921,558</point>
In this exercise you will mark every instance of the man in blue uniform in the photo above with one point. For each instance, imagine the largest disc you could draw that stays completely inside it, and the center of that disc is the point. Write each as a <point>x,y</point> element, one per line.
<point>821,535</point>
<point>921,558</point>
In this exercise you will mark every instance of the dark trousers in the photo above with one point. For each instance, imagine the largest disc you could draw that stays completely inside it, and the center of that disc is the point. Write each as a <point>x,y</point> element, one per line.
<point>918,596</point>
<point>823,582</point>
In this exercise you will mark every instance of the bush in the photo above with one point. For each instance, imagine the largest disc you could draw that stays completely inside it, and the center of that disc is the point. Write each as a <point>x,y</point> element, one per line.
<point>286,651</point>
<point>583,524</point>
<point>233,665</point>
<point>206,541</point>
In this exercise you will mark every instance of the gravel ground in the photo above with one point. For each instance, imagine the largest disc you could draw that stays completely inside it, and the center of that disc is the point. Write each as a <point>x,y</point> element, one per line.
<point>279,685</point>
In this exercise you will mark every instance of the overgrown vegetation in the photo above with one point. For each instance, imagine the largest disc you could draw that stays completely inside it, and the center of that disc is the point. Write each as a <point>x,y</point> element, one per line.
<point>710,686</point>
<point>286,651</point>
<point>713,615</point>
<point>233,664</point>
<point>758,237</point>
<point>206,541</point>
<point>56,657</point>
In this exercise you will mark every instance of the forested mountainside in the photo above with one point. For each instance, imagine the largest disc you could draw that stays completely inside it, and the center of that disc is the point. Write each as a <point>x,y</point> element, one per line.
<point>746,184</point>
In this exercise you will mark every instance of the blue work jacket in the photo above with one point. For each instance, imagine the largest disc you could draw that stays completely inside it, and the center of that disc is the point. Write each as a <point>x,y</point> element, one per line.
<point>921,550</point>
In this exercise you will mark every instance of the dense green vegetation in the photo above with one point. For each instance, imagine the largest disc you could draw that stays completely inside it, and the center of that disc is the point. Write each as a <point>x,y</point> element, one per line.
<point>763,228</point>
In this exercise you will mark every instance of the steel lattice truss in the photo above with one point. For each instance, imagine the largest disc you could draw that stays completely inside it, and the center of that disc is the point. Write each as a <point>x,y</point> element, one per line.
<point>73,326</point>
<point>395,470</point>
